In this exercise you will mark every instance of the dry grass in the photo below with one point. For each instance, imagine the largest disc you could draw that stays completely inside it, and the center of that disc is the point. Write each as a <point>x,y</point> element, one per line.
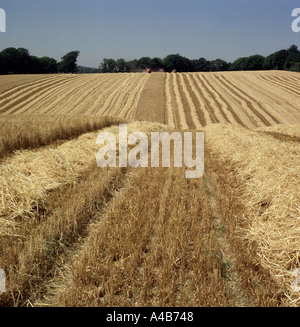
<point>31,258</point>
<point>29,175</point>
<point>282,130</point>
<point>249,99</point>
<point>159,252</point>
<point>60,190</point>
<point>151,105</point>
<point>187,100</point>
<point>101,94</point>
<point>19,132</point>
<point>9,82</point>
<point>267,171</point>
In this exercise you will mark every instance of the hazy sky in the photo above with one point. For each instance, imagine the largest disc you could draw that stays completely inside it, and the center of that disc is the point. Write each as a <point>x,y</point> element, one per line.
<point>131,29</point>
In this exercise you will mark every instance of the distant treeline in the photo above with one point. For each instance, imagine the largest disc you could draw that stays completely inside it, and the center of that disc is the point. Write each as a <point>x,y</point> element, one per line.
<point>281,60</point>
<point>19,61</point>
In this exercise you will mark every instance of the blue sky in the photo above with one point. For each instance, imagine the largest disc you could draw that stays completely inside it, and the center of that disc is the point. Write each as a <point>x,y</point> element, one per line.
<point>131,29</point>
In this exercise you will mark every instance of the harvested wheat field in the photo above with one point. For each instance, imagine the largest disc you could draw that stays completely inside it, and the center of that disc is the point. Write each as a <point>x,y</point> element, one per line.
<point>249,99</point>
<point>116,94</point>
<point>75,234</point>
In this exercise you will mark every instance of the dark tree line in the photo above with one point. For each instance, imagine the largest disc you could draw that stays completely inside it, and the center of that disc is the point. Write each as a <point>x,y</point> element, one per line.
<point>19,61</point>
<point>281,60</point>
<point>169,63</point>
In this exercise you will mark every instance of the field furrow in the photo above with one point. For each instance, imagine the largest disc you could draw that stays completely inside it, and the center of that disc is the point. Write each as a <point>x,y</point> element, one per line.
<point>262,114</point>
<point>12,83</point>
<point>14,102</point>
<point>281,104</point>
<point>17,90</point>
<point>197,101</point>
<point>102,92</point>
<point>220,112</point>
<point>42,102</point>
<point>83,97</point>
<point>129,101</point>
<point>230,116</point>
<point>209,101</point>
<point>203,109</point>
<point>182,112</point>
<point>115,98</point>
<point>174,101</point>
<point>188,94</point>
<point>114,94</point>
<point>240,109</point>
<point>169,103</point>
<point>278,97</point>
<point>281,83</point>
<point>66,100</point>
<point>186,103</point>
<point>131,106</point>
<point>240,115</point>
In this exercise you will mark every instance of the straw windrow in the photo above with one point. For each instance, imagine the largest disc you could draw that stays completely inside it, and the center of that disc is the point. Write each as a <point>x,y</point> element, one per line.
<point>268,171</point>
<point>29,175</point>
<point>27,131</point>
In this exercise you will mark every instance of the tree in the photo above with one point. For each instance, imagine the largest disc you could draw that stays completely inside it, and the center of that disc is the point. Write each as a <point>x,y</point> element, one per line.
<point>293,49</point>
<point>144,62</point>
<point>69,62</point>
<point>15,61</point>
<point>283,59</point>
<point>254,62</point>
<point>121,66</point>
<point>218,65</point>
<point>132,65</point>
<point>200,65</point>
<point>8,59</point>
<point>291,60</point>
<point>108,66</point>
<point>268,63</point>
<point>175,61</point>
<point>156,63</point>
<point>19,61</point>
<point>296,67</point>
<point>22,61</point>
<point>48,65</point>
<point>35,65</point>
<point>239,64</point>
<point>277,59</point>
